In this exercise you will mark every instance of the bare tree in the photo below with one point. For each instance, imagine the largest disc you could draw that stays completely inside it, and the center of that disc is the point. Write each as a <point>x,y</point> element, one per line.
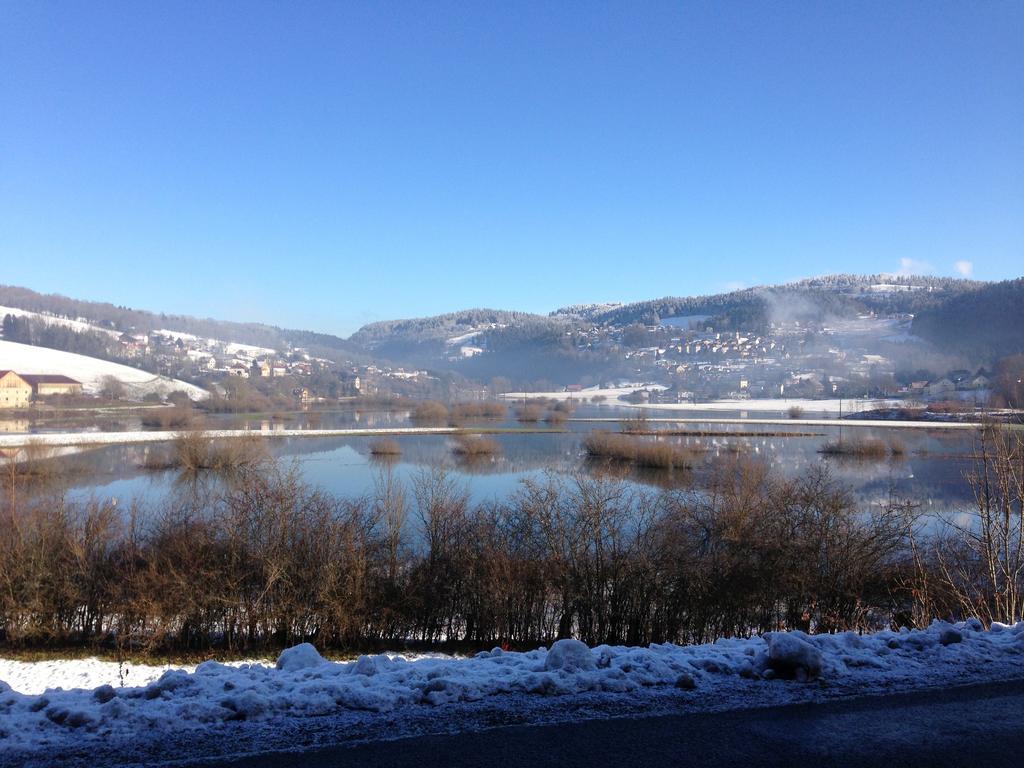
<point>979,553</point>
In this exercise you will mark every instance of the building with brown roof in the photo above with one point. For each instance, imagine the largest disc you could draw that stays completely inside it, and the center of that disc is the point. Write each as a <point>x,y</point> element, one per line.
<point>15,392</point>
<point>52,384</point>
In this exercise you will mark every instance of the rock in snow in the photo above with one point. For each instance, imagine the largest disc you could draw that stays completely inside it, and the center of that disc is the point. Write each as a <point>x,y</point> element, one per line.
<point>303,683</point>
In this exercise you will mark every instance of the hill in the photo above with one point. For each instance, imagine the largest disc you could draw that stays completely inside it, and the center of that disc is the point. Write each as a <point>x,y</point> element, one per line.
<point>104,316</point>
<point>986,322</point>
<point>25,358</point>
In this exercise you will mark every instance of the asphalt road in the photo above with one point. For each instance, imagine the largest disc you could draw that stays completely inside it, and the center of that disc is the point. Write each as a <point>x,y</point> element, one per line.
<point>959,726</point>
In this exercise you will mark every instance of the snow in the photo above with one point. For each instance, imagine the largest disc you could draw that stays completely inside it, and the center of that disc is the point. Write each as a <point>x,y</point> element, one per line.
<point>611,396</point>
<point>229,347</point>
<point>302,656</point>
<point>792,655</point>
<point>35,677</point>
<point>462,339</point>
<point>302,684</point>
<point>17,440</point>
<point>75,325</point>
<point>570,655</point>
<point>25,358</point>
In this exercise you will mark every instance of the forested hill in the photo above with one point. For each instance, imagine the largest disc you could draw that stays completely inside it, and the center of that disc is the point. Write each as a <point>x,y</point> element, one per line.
<point>813,299</point>
<point>986,323</point>
<point>120,318</point>
<point>437,327</point>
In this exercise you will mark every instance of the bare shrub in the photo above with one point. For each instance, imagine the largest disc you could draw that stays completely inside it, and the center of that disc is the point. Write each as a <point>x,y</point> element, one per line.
<point>974,564</point>
<point>795,412</point>
<point>556,417</point>
<point>475,445</point>
<point>478,410</point>
<point>385,447</point>
<point>269,561</point>
<point>173,417</point>
<point>194,451</point>
<point>529,413</point>
<point>430,410</point>
<point>635,425</point>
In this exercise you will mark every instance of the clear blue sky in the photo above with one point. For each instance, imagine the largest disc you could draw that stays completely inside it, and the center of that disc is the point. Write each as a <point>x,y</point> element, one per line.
<point>325,165</point>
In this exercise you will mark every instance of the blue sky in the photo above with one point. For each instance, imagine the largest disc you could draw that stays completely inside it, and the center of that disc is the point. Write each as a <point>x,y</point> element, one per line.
<point>326,165</point>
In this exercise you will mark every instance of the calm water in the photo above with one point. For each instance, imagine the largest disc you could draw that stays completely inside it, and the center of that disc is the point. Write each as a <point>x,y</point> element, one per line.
<point>931,471</point>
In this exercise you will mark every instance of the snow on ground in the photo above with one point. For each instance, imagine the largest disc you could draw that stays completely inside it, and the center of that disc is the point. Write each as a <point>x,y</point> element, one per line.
<point>25,358</point>
<point>17,440</point>
<point>771,405</point>
<point>75,325</point>
<point>36,677</point>
<point>229,347</point>
<point>611,396</point>
<point>302,684</point>
<point>248,350</point>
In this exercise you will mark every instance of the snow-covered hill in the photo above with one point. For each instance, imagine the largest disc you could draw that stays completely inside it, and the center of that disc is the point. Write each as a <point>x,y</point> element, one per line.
<point>25,358</point>
<point>78,326</point>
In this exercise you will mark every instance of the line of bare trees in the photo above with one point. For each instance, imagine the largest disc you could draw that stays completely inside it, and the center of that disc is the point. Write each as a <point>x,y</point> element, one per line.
<point>266,561</point>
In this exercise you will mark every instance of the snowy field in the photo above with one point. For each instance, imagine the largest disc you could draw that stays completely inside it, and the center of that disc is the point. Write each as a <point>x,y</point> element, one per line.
<point>25,358</point>
<point>611,396</point>
<point>224,700</point>
<point>17,440</point>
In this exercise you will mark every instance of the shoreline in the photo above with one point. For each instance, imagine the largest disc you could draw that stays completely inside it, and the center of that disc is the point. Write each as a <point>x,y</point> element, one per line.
<point>962,425</point>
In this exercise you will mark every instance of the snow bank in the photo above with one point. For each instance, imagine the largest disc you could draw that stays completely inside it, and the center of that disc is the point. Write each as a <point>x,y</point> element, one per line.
<point>303,684</point>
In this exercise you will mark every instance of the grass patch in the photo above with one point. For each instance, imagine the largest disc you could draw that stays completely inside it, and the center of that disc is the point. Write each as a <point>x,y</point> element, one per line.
<point>473,446</point>
<point>637,451</point>
<point>866,448</point>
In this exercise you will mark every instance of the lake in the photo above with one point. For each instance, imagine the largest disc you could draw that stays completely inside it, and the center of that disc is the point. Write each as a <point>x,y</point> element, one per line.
<point>930,471</point>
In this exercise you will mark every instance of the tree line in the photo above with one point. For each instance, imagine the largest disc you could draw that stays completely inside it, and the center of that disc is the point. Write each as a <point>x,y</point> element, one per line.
<point>266,561</point>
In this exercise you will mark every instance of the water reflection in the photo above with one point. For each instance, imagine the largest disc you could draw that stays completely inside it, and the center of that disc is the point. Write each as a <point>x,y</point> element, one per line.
<point>930,470</point>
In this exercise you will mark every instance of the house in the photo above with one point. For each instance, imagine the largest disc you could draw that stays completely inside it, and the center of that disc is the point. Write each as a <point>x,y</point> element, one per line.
<point>941,387</point>
<point>15,392</point>
<point>44,385</point>
<point>239,370</point>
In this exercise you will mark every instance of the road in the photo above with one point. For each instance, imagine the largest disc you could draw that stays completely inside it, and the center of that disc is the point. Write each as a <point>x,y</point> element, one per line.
<point>969,725</point>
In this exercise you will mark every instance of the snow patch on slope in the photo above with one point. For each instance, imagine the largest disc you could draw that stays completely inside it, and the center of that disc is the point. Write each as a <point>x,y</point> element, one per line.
<point>25,358</point>
<point>78,326</point>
